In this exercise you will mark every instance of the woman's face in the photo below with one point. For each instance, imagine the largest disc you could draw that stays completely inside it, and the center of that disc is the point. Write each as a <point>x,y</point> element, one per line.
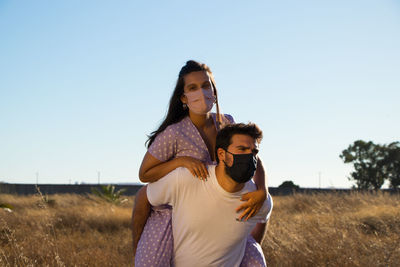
<point>196,80</point>
<point>198,92</point>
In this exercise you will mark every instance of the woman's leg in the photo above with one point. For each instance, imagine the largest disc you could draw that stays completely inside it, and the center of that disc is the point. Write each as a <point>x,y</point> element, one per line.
<point>253,255</point>
<point>152,235</point>
<point>140,214</point>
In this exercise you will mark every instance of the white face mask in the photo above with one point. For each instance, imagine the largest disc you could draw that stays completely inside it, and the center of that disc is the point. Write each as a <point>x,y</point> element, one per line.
<point>200,101</point>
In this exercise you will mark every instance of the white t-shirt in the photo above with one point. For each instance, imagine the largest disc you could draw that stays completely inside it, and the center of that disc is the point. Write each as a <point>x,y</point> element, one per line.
<point>204,225</point>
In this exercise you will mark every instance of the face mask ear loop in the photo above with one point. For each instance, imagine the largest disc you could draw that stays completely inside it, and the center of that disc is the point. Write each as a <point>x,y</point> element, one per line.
<point>229,152</point>
<point>233,160</point>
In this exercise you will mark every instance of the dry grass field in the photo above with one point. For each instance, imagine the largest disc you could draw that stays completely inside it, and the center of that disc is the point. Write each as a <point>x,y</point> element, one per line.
<point>305,230</point>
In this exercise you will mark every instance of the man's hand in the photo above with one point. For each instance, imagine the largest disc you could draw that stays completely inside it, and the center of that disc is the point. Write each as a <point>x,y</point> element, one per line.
<point>254,201</point>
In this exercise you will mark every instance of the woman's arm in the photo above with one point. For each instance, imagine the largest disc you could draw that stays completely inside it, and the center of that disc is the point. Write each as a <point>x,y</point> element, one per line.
<point>260,179</point>
<point>152,169</point>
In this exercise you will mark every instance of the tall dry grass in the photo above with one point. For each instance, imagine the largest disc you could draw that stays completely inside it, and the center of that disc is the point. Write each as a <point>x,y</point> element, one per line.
<point>305,230</point>
<point>334,230</point>
<point>65,230</point>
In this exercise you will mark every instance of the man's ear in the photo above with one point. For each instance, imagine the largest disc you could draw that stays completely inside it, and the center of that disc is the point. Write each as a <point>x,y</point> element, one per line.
<point>221,154</point>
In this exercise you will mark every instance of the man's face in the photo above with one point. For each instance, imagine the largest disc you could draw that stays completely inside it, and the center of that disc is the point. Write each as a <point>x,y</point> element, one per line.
<point>241,144</point>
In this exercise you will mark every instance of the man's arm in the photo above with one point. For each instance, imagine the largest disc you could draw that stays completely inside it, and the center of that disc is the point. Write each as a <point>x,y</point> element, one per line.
<point>263,218</point>
<point>258,231</point>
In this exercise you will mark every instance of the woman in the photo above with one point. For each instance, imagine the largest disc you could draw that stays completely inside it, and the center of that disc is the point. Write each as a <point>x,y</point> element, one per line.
<point>186,138</point>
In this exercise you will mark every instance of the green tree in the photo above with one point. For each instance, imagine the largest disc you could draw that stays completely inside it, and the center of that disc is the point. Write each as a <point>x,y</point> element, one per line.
<point>368,160</point>
<point>373,164</point>
<point>288,185</point>
<point>393,164</point>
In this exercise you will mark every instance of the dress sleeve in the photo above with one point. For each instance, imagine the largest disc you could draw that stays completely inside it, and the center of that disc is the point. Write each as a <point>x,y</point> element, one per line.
<point>229,118</point>
<point>164,146</point>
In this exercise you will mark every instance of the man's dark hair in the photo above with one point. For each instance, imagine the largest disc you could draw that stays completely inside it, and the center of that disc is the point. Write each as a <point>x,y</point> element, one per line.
<point>224,136</point>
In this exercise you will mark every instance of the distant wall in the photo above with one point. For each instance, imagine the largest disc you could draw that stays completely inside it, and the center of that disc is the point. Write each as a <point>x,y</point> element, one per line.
<point>29,189</point>
<point>275,191</point>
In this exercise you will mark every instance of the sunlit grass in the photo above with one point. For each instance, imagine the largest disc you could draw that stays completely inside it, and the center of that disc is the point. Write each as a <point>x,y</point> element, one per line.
<point>305,230</point>
<point>334,230</point>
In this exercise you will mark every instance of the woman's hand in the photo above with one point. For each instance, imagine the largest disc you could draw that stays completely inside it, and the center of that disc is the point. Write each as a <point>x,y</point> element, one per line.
<point>195,166</point>
<point>254,201</point>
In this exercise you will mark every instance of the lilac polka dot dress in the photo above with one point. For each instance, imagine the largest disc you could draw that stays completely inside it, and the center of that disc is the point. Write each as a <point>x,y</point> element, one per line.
<point>155,247</point>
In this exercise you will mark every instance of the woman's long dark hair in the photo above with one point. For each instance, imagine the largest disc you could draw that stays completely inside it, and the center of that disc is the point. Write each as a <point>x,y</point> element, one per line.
<point>176,112</point>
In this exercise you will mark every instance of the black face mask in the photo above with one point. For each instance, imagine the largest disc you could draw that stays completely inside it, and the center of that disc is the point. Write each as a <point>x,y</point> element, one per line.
<point>243,167</point>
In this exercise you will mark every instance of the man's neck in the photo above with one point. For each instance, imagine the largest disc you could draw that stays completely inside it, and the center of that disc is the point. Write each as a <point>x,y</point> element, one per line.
<point>226,182</point>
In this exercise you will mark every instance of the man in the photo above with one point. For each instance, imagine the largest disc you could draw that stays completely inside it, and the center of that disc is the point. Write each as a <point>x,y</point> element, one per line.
<point>204,222</point>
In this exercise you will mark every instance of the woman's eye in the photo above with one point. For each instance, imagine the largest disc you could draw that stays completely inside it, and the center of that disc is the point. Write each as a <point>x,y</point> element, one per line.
<point>207,86</point>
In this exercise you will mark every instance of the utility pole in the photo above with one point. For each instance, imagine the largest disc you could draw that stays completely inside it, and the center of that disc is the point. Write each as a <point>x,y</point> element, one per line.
<point>319,179</point>
<point>98,177</point>
<point>37,178</point>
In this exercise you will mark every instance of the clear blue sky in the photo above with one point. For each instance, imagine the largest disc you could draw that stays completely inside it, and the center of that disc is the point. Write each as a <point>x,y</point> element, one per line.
<point>83,82</point>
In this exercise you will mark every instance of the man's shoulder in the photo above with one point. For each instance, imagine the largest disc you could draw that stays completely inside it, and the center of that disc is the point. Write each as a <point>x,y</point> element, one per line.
<point>182,171</point>
<point>183,174</point>
<point>174,175</point>
<point>179,172</point>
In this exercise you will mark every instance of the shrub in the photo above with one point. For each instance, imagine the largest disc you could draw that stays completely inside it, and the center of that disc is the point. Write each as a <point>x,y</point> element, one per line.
<point>108,193</point>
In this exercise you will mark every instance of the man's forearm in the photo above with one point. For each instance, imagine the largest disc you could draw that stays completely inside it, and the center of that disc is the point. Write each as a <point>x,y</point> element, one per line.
<point>259,231</point>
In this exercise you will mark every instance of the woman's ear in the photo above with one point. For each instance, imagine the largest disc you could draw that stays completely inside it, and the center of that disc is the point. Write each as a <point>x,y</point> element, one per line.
<point>184,99</point>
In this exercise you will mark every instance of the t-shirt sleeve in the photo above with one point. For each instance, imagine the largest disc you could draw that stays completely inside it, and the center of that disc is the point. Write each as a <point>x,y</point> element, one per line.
<point>164,146</point>
<point>164,191</point>
<point>265,211</point>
